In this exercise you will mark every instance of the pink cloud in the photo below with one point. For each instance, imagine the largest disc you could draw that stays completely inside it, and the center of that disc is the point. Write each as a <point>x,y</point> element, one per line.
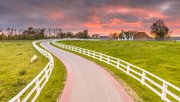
<point>55,16</point>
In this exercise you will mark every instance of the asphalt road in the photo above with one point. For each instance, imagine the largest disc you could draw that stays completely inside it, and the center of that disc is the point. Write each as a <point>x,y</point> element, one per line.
<point>87,81</point>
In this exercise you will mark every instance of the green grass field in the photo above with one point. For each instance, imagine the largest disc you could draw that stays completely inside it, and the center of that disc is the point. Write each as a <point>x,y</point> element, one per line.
<point>16,71</point>
<point>160,58</point>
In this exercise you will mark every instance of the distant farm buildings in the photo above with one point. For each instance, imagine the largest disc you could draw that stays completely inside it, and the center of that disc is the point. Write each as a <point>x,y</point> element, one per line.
<point>175,38</point>
<point>133,35</point>
<point>103,37</point>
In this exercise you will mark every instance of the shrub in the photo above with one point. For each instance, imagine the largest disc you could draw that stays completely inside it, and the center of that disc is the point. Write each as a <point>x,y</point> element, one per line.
<point>22,72</point>
<point>20,82</point>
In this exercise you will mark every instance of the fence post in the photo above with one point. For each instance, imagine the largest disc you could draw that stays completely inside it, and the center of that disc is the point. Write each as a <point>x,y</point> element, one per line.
<point>84,51</point>
<point>108,60</point>
<point>93,54</point>
<point>128,67</point>
<point>69,47</point>
<point>88,53</point>
<point>164,89</point>
<point>76,49</point>
<point>46,73</point>
<point>143,78</point>
<point>72,48</point>
<point>100,58</point>
<point>118,61</point>
<point>79,50</point>
<point>37,86</point>
<point>46,55</point>
<point>17,100</point>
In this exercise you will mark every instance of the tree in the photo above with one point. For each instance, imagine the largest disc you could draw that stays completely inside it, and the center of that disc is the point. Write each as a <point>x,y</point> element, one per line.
<point>95,36</point>
<point>1,36</point>
<point>114,35</point>
<point>8,30</point>
<point>69,35</point>
<point>160,30</point>
<point>31,33</point>
<point>83,34</point>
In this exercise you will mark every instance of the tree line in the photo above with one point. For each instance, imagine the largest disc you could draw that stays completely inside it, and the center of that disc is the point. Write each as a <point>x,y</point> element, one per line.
<point>42,33</point>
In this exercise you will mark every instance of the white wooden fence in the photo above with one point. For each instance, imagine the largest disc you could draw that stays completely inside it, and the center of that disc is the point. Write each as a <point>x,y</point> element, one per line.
<point>33,89</point>
<point>167,91</point>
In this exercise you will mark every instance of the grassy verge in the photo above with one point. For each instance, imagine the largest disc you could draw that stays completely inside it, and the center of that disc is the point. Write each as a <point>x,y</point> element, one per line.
<point>55,85</point>
<point>16,70</point>
<point>139,54</point>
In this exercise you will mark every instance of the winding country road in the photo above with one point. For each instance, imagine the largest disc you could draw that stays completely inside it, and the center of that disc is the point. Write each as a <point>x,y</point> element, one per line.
<point>87,81</point>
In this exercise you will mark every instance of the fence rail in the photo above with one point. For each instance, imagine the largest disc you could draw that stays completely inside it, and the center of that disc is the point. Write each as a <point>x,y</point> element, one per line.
<point>167,91</point>
<point>33,89</point>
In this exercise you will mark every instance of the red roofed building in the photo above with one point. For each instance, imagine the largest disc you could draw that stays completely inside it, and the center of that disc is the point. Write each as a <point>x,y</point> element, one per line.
<point>141,36</point>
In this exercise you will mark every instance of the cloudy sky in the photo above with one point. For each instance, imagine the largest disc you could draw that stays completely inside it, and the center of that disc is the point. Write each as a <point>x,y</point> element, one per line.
<point>98,16</point>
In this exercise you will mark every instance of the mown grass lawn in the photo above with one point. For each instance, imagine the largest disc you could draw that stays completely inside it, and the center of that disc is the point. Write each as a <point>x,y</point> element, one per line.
<point>160,58</point>
<point>16,70</point>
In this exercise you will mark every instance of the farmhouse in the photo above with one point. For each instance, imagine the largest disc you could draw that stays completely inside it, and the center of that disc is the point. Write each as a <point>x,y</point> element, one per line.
<point>133,35</point>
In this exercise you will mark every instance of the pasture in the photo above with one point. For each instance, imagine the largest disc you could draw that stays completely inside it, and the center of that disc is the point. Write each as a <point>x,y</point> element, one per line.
<point>16,69</point>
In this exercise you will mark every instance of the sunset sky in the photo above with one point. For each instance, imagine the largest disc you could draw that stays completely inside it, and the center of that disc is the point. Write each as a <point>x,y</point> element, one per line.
<point>98,16</point>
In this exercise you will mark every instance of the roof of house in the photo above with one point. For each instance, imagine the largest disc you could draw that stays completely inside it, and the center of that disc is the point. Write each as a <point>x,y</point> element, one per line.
<point>127,33</point>
<point>141,35</point>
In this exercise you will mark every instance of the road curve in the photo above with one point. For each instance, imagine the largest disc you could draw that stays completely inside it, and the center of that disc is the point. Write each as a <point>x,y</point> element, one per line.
<point>87,81</point>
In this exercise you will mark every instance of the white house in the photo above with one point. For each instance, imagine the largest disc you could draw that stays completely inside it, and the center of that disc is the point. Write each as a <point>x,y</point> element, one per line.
<point>126,35</point>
